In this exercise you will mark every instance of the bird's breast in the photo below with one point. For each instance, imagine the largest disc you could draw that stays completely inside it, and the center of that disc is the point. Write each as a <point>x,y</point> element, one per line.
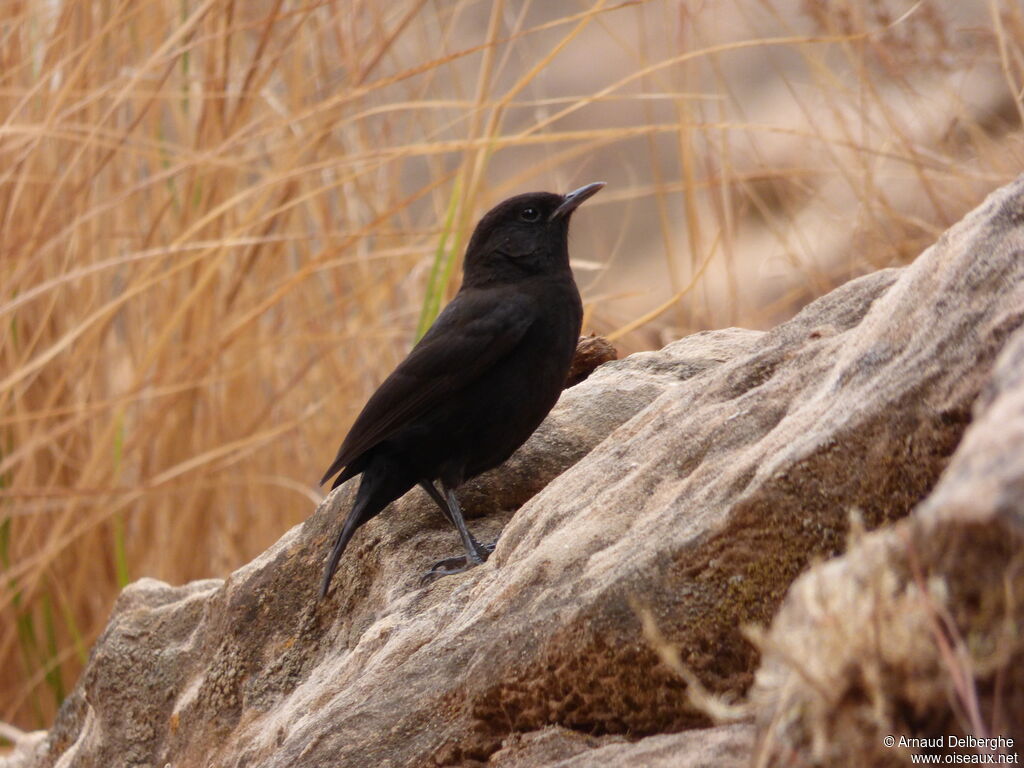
<point>524,387</point>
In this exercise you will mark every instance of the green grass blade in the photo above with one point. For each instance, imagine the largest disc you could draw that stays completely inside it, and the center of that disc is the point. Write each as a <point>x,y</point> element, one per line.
<point>51,660</point>
<point>441,269</point>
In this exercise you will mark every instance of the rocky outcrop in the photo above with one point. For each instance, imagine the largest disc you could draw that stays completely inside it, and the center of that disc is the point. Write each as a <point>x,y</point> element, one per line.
<point>692,485</point>
<point>915,633</point>
<point>726,745</point>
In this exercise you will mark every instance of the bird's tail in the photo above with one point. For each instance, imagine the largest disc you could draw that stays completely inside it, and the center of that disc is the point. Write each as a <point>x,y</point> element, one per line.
<point>382,482</point>
<point>335,466</point>
<point>351,523</point>
<point>352,468</point>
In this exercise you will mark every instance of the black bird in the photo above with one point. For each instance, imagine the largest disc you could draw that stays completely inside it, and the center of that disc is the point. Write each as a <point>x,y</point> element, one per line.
<point>483,377</point>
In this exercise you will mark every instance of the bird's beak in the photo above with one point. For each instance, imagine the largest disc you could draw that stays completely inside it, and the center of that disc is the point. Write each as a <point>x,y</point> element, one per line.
<point>575,199</point>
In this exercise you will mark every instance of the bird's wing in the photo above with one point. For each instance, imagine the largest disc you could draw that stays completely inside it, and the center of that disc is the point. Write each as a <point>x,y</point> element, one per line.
<point>473,332</point>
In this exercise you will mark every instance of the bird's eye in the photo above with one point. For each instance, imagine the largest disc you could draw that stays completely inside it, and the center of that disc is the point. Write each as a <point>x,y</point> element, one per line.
<point>529,214</point>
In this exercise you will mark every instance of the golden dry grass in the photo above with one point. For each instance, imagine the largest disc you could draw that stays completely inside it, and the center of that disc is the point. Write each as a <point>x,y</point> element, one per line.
<point>219,221</point>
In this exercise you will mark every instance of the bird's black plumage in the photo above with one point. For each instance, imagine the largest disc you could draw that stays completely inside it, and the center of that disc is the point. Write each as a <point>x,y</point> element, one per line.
<point>483,377</point>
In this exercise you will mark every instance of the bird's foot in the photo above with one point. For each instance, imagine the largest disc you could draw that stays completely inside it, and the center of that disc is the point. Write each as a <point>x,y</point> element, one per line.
<point>488,548</point>
<point>447,567</point>
<point>452,565</point>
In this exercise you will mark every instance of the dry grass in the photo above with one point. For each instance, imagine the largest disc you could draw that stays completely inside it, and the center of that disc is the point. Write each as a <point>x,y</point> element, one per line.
<point>915,634</point>
<point>219,220</point>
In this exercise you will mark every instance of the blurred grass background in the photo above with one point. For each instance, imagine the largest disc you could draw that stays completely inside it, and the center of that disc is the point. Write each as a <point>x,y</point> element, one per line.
<point>222,223</point>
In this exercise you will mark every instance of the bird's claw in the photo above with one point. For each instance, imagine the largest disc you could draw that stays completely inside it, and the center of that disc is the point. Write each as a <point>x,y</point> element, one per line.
<point>460,564</point>
<point>488,548</point>
<point>447,567</point>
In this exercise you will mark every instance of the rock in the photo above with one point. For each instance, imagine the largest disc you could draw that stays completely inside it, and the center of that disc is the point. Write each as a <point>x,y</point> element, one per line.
<point>727,746</point>
<point>28,747</point>
<point>168,631</point>
<point>927,612</point>
<point>695,483</point>
<point>591,352</point>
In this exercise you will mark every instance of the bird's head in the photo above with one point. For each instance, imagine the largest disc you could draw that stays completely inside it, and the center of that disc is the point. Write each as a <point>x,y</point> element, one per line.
<point>524,235</point>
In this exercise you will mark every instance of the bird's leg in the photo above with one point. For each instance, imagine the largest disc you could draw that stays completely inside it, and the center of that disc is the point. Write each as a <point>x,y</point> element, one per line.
<point>431,489</point>
<point>447,507</point>
<point>476,553</point>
